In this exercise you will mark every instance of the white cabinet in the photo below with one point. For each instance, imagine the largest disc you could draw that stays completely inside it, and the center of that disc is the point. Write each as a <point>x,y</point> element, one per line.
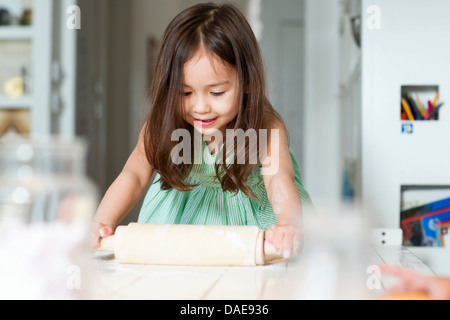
<point>405,44</point>
<point>32,45</point>
<point>409,47</point>
<point>37,82</point>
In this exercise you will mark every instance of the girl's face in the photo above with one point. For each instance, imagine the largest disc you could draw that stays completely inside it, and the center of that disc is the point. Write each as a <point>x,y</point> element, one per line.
<point>210,93</point>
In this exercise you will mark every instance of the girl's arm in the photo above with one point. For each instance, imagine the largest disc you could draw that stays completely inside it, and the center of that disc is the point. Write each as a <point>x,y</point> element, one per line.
<point>124,193</point>
<point>279,179</point>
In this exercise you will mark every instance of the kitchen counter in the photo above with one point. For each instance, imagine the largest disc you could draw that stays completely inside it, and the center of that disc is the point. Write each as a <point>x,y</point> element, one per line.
<point>308,276</point>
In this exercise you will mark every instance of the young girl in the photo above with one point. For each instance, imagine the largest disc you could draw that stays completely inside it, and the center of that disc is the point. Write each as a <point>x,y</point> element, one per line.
<point>209,81</point>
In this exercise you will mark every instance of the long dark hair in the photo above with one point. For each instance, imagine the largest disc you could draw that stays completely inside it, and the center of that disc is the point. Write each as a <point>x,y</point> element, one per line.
<point>224,32</point>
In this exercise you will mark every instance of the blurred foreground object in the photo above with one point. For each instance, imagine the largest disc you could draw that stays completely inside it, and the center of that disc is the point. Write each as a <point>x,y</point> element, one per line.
<point>46,204</point>
<point>334,255</point>
<point>415,286</point>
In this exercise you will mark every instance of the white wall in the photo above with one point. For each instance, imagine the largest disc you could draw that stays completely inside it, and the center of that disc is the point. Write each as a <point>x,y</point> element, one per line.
<point>282,48</point>
<point>321,167</point>
<point>406,49</point>
<point>396,54</point>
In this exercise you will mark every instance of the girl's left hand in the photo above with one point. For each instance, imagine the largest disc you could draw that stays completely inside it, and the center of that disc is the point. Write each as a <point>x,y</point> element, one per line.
<point>286,238</point>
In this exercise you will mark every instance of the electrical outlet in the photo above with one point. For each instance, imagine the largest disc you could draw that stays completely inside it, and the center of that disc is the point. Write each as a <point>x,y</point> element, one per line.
<point>387,236</point>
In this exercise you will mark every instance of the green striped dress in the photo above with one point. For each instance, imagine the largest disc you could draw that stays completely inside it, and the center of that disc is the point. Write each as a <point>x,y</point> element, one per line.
<point>208,204</point>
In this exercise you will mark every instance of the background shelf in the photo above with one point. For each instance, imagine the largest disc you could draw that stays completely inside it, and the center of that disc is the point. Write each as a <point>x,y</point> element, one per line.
<point>16,32</point>
<point>19,103</point>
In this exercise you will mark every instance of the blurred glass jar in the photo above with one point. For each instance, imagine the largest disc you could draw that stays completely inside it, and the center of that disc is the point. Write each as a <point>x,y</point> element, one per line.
<point>46,206</point>
<point>43,180</point>
<point>335,256</point>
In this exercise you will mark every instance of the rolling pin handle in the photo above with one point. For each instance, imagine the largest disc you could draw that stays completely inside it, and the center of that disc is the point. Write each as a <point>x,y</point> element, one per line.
<point>270,252</point>
<point>107,244</point>
<point>266,252</point>
<point>113,243</point>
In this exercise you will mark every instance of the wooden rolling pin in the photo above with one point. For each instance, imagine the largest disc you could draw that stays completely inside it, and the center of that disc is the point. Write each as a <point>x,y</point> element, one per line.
<point>190,245</point>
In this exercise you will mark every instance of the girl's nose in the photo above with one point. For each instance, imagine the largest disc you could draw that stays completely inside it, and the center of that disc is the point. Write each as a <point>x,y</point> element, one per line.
<point>201,105</point>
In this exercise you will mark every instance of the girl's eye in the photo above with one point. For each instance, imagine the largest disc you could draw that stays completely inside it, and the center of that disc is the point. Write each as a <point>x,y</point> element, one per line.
<point>187,94</point>
<point>217,94</point>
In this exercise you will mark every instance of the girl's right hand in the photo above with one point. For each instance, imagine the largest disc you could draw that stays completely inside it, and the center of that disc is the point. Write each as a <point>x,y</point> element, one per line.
<point>287,239</point>
<point>100,231</point>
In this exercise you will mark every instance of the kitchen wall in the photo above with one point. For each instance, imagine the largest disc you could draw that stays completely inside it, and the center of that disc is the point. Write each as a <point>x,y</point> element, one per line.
<point>321,151</point>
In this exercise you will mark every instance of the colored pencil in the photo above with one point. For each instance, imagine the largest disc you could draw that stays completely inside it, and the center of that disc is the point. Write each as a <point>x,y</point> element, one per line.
<point>407,110</point>
<point>422,110</point>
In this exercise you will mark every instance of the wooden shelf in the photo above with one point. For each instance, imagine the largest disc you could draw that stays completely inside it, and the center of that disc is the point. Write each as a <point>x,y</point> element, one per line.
<point>16,32</point>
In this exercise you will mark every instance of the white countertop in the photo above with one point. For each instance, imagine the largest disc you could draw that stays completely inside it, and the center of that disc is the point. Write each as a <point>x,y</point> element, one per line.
<point>320,276</point>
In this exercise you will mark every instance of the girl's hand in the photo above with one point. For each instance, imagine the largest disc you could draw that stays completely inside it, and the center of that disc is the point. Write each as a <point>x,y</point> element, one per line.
<point>287,239</point>
<point>100,231</point>
<point>436,288</point>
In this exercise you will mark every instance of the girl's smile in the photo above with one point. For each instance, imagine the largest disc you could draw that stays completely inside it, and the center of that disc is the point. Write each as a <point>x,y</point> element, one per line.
<point>205,123</point>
